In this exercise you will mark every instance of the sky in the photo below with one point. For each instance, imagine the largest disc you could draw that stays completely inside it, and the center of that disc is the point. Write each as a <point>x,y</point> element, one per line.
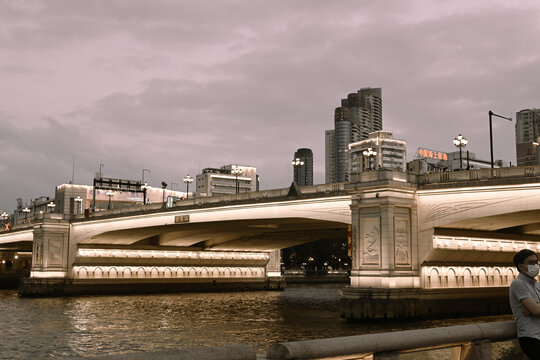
<point>178,86</point>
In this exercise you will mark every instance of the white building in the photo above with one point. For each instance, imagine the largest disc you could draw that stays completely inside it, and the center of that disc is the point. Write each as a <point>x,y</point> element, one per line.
<point>75,199</point>
<point>386,153</point>
<point>225,180</point>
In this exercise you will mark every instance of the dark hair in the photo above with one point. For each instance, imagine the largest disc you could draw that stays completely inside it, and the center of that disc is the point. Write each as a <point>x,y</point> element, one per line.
<point>520,257</point>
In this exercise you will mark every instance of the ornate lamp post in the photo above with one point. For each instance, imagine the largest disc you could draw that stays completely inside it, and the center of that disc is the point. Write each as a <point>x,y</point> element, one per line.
<point>369,154</point>
<point>187,180</point>
<point>235,170</point>
<point>296,163</point>
<point>110,194</point>
<point>25,211</point>
<point>491,114</point>
<point>460,142</point>
<point>78,201</point>
<point>51,206</point>
<point>144,188</point>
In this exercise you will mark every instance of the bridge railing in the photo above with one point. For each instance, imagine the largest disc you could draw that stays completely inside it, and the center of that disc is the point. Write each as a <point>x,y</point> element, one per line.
<point>480,174</point>
<point>469,342</point>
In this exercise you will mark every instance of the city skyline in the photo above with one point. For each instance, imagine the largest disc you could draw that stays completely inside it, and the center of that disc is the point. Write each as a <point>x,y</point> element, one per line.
<point>175,88</point>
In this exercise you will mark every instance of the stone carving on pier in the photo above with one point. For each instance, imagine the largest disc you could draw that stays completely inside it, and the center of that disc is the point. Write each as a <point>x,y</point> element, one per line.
<point>55,249</point>
<point>371,240</point>
<point>401,241</point>
<point>38,253</point>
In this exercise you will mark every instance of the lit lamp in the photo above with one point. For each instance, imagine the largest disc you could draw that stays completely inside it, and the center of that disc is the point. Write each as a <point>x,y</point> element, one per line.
<point>51,206</point>
<point>4,216</point>
<point>187,180</point>
<point>145,188</point>
<point>78,201</point>
<point>460,142</point>
<point>25,211</point>
<point>296,163</point>
<point>369,154</point>
<point>235,170</point>
<point>110,194</point>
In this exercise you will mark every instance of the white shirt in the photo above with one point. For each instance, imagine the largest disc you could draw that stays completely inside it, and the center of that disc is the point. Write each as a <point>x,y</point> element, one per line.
<point>521,288</point>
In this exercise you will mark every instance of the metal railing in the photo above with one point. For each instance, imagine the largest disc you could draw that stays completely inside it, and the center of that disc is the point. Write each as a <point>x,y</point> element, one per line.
<point>468,342</point>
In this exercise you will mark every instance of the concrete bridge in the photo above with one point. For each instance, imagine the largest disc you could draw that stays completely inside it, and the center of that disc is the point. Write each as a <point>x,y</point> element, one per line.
<point>419,243</point>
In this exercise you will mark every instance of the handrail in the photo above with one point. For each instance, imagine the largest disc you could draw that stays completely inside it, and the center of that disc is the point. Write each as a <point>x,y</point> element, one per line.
<point>392,341</point>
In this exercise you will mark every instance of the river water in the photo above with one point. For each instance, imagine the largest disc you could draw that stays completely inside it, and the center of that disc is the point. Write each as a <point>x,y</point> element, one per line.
<point>46,328</point>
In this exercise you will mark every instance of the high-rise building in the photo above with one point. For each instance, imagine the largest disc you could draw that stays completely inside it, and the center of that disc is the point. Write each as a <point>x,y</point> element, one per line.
<point>528,137</point>
<point>329,156</point>
<point>303,174</point>
<point>386,153</point>
<point>229,179</point>
<point>359,114</point>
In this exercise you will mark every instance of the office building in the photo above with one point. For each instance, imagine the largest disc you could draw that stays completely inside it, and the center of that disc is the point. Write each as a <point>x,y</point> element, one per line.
<point>225,180</point>
<point>429,161</point>
<point>528,137</point>
<point>379,151</point>
<point>330,157</point>
<point>359,115</point>
<point>303,172</point>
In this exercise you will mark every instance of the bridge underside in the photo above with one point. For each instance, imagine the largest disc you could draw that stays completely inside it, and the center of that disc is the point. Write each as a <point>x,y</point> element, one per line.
<point>17,246</point>
<point>241,235</point>
<point>522,223</point>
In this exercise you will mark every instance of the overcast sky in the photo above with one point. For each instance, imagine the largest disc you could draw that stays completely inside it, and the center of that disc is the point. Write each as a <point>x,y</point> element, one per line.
<point>177,86</point>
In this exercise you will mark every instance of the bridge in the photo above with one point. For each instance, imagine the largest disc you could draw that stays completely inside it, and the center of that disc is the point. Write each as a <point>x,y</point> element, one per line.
<point>419,242</point>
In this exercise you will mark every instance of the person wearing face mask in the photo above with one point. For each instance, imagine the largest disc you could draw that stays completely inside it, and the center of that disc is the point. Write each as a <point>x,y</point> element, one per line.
<point>525,302</point>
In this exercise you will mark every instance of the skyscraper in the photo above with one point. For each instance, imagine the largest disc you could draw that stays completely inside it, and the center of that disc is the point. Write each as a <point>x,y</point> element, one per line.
<point>527,137</point>
<point>303,174</point>
<point>359,114</point>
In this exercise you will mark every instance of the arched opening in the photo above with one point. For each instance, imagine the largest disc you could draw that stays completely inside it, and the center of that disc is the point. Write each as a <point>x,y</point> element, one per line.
<point>434,280</point>
<point>482,278</point>
<point>452,278</point>
<point>467,278</point>
<point>497,281</point>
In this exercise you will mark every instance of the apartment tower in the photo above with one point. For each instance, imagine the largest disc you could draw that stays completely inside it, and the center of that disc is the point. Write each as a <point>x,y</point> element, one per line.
<point>359,115</point>
<point>527,137</point>
<point>303,174</point>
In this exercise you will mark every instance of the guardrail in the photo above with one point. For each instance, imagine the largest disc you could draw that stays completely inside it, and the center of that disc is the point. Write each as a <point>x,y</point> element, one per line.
<point>469,342</point>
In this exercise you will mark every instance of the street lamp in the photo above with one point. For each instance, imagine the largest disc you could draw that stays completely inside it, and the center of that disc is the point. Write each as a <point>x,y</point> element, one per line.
<point>491,113</point>
<point>369,153</point>
<point>163,186</point>
<point>78,201</point>
<point>144,188</point>
<point>296,163</point>
<point>51,206</point>
<point>25,211</point>
<point>460,142</point>
<point>143,170</point>
<point>187,180</point>
<point>110,194</point>
<point>235,170</point>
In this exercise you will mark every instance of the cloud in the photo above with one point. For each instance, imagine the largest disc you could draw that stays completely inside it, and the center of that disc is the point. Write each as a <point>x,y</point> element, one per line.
<point>175,86</point>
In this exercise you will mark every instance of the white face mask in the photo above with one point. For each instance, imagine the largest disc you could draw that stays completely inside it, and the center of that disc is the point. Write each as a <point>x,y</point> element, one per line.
<point>533,270</point>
